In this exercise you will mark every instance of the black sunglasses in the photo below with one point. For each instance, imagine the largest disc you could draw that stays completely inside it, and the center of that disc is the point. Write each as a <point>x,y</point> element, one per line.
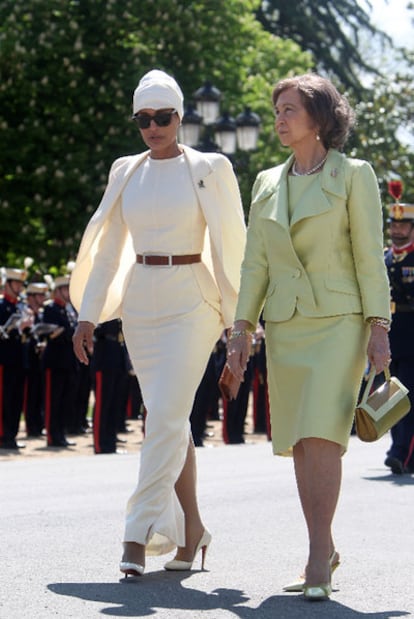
<point>161,119</point>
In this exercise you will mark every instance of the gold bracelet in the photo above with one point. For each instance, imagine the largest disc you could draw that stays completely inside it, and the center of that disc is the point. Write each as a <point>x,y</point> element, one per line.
<point>379,322</point>
<point>235,334</point>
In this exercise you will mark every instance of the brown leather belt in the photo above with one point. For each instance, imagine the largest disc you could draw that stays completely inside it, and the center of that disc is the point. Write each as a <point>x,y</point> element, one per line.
<point>167,260</point>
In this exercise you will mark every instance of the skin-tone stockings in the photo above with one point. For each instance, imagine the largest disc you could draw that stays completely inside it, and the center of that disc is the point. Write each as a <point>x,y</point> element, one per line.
<point>318,476</point>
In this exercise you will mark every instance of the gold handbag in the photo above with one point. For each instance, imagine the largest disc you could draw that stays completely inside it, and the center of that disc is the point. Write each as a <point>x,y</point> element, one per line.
<point>379,411</point>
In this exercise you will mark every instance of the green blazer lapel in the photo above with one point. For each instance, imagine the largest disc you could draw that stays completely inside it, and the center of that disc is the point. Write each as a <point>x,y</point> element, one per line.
<point>331,181</point>
<point>333,177</point>
<point>313,202</point>
<point>273,190</point>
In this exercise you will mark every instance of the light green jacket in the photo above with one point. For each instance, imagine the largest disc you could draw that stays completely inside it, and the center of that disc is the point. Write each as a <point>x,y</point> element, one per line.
<point>328,260</point>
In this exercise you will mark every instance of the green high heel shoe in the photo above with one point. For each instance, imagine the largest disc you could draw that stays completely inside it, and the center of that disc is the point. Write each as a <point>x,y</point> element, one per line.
<point>298,585</point>
<point>317,593</point>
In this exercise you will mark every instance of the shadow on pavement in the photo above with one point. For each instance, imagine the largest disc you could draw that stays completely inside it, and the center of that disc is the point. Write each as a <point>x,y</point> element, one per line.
<point>141,597</point>
<point>396,480</point>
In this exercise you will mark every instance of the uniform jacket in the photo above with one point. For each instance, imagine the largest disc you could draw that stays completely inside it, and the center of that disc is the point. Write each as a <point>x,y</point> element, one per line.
<point>11,349</point>
<point>99,294</point>
<point>31,353</point>
<point>59,350</point>
<point>109,351</point>
<point>328,260</point>
<point>401,276</point>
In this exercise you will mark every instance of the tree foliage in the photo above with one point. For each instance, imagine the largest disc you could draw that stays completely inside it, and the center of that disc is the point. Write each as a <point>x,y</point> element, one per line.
<point>380,118</point>
<point>331,30</point>
<point>68,70</point>
<point>385,131</point>
<point>348,48</point>
<point>67,73</point>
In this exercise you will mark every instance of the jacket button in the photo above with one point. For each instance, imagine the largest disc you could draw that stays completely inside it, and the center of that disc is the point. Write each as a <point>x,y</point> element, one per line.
<point>297,274</point>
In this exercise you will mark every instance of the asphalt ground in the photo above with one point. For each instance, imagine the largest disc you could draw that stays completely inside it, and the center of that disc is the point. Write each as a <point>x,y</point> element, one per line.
<point>61,522</point>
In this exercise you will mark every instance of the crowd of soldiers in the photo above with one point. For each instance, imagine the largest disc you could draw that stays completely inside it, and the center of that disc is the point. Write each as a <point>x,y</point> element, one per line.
<point>41,378</point>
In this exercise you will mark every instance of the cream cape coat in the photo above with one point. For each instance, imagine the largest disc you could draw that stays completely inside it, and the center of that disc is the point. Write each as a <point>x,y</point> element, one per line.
<point>219,197</point>
<point>328,260</point>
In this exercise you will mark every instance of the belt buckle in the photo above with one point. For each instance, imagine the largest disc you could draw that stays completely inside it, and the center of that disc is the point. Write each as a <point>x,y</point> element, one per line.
<point>157,254</point>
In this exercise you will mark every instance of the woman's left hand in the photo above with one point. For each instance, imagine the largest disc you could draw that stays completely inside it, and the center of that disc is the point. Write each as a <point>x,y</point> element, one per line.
<point>378,350</point>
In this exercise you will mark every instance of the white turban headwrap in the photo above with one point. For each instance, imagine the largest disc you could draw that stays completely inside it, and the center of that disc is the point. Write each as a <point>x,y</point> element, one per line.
<point>158,90</point>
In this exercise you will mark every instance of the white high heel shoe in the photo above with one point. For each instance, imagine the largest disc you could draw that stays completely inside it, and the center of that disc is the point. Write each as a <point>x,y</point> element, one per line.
<point>128,567</point>
<point>203,544</point>
<point>131,569</point>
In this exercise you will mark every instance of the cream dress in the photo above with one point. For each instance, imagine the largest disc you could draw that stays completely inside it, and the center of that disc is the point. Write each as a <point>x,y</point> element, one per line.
<point>171,321</point>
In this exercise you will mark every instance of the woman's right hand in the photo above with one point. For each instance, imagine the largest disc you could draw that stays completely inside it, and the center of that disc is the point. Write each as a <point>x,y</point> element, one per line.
<point>83,341</point>
<point>239,349</point>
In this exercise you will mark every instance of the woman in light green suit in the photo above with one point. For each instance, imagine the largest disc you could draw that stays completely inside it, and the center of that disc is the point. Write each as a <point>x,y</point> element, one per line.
<point>314,265</point>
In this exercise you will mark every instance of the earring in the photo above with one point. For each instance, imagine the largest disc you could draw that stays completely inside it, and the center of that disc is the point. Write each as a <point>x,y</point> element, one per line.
<point>318,137</point>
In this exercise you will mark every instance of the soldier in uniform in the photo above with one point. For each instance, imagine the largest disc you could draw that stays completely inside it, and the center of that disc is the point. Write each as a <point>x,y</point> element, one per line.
<point>78,423</point>
<point>205,403</point>
<point>235,411</point>
<point>399,259</point>
<point>134,408</point>
<point>60,366</point>
<point>11,358</point>
<point>261,408</point>
<point>33,347</point>
<point>110,366</point>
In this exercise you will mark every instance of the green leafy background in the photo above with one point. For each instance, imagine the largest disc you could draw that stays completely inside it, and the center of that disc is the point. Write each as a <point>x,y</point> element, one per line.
<point>67,74</point>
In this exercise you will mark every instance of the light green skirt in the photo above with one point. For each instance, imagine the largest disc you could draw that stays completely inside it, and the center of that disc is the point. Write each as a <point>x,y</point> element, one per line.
<point>315,367</point>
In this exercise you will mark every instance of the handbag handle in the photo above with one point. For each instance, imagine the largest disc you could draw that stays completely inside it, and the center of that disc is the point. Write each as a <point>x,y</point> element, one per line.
<point>371,380</point>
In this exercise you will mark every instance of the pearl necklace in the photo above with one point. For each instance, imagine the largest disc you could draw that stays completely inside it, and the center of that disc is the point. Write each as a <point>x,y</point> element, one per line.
<point>311,171</point>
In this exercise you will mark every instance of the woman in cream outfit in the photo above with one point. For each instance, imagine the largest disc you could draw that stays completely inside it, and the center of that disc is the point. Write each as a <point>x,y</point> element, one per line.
<point>163,251</point>
<point>314,262</point>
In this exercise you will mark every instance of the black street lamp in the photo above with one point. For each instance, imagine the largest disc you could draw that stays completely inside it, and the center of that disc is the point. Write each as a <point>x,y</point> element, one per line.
<point>190,129</point>
<point>207,100</point>
<point>225,134</point>
<point>248,124</point>
<point>229,133</point>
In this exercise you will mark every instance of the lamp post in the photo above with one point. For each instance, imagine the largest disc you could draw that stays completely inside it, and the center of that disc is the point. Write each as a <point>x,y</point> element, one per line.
<point>218,133</point>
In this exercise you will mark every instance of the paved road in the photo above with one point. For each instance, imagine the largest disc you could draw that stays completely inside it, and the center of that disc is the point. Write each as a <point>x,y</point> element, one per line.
<point>61,521</point>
